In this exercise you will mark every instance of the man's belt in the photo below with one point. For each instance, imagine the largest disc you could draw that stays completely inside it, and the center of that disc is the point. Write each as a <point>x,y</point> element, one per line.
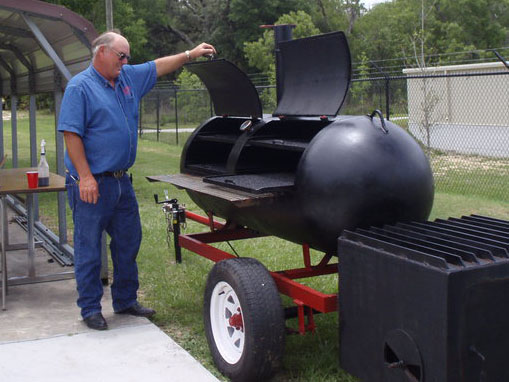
<point>116,174</point>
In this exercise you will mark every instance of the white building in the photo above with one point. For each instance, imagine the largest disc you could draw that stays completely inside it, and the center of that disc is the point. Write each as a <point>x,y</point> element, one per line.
<point>468,114</point>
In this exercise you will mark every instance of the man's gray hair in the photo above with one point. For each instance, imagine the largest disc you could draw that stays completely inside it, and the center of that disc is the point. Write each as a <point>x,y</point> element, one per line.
<point>105,38</point>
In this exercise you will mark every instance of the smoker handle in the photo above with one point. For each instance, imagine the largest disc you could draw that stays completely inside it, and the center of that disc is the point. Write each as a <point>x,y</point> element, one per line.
<point>382,120</point>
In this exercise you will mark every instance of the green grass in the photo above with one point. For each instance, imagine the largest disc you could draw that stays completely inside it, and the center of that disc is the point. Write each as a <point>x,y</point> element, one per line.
<point>471,175</point>
<point>176,291</point>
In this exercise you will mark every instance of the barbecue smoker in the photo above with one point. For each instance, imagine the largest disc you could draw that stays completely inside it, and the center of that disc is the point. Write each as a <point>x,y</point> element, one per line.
<point>302,174</point>
<point>413,292</point>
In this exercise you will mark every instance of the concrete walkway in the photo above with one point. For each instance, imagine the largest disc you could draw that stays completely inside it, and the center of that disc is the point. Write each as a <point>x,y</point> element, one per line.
<point>42,337</point>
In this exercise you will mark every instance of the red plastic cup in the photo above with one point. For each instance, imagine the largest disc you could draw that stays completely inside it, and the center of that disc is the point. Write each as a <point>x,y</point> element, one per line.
<point>33,179</point>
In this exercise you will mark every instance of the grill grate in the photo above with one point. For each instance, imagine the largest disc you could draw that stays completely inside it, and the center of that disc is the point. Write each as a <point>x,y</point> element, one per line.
<point>447,244</point>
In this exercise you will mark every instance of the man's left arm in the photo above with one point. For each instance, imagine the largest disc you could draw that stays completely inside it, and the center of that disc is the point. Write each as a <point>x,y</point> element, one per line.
<point>168,64</point>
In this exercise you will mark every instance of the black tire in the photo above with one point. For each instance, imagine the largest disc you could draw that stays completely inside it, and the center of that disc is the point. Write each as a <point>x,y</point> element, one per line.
<point>251,351</point>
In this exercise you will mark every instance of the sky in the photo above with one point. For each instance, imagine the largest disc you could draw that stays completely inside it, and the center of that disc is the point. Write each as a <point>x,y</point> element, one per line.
<point>369,3</point>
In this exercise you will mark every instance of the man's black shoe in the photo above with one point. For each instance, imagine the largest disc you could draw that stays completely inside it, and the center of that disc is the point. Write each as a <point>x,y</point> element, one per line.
<point>96,321</point>
<point>138,310</point>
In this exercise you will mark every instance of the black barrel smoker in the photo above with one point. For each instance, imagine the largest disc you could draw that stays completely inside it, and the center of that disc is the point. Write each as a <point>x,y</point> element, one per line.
<point>302,174</point>
<point>311,174</point>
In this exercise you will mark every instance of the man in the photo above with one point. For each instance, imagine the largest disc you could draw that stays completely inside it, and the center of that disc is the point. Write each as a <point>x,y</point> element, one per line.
<point>99,117</point>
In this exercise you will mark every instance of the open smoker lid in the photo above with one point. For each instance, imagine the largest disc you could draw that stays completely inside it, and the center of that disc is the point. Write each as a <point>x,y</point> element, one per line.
<point>316,74</point>
<point>232,92</point>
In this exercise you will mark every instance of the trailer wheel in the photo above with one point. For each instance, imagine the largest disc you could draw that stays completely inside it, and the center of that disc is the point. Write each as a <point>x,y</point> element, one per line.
<point>244,320</point>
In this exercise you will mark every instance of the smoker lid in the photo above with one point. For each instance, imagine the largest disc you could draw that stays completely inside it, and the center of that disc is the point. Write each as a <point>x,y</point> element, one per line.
<point>232,92</point>
<point>316,74</point>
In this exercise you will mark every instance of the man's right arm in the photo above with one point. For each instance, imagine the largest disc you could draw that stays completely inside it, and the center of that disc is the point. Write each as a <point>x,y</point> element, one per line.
<point>89,190</point>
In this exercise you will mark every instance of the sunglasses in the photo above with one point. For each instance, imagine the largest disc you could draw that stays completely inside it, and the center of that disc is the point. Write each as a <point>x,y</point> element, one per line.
<point>121,55</point>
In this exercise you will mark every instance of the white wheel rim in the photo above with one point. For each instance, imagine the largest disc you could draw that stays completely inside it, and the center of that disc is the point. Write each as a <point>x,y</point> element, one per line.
<point>226,322</point>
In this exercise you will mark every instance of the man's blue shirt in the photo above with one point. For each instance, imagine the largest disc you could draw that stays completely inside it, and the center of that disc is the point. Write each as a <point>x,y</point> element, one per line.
<point>106,118</point>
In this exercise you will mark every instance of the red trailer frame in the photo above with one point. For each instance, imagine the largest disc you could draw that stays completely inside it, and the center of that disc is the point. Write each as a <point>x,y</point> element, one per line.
<point>302,295</point>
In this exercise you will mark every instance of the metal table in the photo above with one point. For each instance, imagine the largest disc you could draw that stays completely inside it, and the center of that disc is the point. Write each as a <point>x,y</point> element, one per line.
<point>14,181</point>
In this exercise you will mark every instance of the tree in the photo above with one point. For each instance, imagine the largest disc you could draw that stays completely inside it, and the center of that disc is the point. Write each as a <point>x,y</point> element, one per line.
<point>353,12</point>
<point>391,29</point>
<point>388,30</point>
<point>125,18</point>
<point>260,53</point>
<point>359,90</point>
<point>247,15</point>
<point>329,15</point>
<point>194,106</point>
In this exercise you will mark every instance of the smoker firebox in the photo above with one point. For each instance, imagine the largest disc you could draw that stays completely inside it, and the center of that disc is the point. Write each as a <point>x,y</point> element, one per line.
<point>426,301</point>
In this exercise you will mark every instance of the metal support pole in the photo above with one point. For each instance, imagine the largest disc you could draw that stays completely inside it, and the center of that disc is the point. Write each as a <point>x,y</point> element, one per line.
<point>30,229</point>
<point>33,132</point>
<point>1,124</point>
<point>46,46</point>
<point>13,93</point>
<point>33,147</point>
<point>109,15</point>
<point>59,136</point>
<point>157,113</point>
<point>14,129</point>
<point>176,234</point>
<point>387,98</point>
<point>3,254</point>
<point>176,115</point>
<point>59,143</point>
<point>387,89</point>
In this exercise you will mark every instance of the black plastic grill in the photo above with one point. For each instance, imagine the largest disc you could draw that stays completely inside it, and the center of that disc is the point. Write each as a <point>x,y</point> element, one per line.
<point>452,243</point>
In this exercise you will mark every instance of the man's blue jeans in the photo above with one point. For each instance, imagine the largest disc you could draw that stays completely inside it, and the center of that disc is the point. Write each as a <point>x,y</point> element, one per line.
<point>116,212</point>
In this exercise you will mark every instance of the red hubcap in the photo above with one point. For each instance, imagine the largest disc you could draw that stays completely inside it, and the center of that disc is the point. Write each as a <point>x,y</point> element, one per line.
<point>236,321</point>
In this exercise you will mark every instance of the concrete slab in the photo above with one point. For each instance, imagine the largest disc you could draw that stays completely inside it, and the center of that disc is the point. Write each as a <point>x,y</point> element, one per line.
<point>42,337</point>
<point>135,353</point>
<point>37,311</point>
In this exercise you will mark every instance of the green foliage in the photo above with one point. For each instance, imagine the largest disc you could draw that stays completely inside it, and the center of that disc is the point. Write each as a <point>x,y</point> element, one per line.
<point>133,28</point>
<point>395,29</point>
<point>194,106</point>
<point>304,26</point>
<point>248,15</point>
<point>126,18</point>
<point>330,15</point>
<point>268,96</point>
<point>388,30</point>
<point>359,90</point>
<point>188,80</point>
<point>260,53</point>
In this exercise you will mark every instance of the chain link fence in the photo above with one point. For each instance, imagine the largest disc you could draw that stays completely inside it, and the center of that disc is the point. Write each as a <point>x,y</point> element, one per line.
<point>459,117</point>
<point>169,114</point>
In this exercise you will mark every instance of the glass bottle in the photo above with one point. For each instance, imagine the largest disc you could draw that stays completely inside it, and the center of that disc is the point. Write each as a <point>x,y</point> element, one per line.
<point>43,167</point>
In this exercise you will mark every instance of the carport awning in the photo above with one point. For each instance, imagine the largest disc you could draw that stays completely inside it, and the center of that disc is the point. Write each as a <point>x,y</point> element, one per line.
<point>37,41</point>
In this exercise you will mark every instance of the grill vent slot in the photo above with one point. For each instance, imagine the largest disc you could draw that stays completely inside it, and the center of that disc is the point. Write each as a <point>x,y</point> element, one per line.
<point>452,243</point>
